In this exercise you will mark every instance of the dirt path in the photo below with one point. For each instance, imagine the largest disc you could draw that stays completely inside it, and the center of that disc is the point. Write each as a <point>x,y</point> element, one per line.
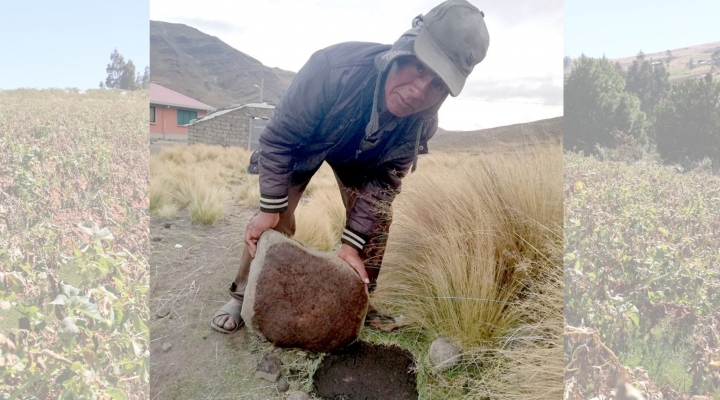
<point>191,281</point>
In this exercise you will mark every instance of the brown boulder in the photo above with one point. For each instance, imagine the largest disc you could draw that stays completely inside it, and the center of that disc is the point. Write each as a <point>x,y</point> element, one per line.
<point>298,297</point>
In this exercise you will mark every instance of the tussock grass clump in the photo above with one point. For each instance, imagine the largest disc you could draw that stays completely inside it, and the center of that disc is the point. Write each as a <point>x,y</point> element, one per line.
<point>197,177</point>
<point>248,193</point>
<point>320,219</point>
<point>474,255</point>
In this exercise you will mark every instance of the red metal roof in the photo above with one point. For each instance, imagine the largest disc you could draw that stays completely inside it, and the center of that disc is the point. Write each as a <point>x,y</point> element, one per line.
<point>166,97</point>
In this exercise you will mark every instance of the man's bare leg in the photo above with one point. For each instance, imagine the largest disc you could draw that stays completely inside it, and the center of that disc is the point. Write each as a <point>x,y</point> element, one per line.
<point>285,226</point>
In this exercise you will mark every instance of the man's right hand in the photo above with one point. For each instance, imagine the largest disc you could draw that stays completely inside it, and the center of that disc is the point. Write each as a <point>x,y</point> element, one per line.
<point>257,225</point>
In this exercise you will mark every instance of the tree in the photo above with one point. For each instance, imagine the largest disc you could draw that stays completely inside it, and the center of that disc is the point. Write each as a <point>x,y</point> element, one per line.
<point>668,56</point>
<point>715,57</point>
<point>649,82</point>
<point>687,123</point>
<point>691,64</point>
<point>121,74</point>
<point>567,62</point>
<point>143,81</point>
<point>596,105</point>
<point>640,55</point>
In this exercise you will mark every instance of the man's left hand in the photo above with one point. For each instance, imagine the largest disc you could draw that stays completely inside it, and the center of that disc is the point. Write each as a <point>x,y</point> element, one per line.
<point>352,257</point>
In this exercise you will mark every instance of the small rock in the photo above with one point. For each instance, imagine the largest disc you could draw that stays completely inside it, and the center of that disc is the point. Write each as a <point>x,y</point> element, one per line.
<point>443,354</point>
<point>283,386</point>
<point>157,239</point>
<point>298,396</point>
<point>166,347</point>
<point>167,225</point>
<point>162,312</point>
<point>269,368</point>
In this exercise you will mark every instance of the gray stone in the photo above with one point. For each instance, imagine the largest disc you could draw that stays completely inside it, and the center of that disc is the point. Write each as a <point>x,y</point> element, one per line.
<point>298,396</point>
<point>269,368</point>
<point>166,347</point>
<point>283,386</point>
<point>302,298</point>
<point>162,312</point>
<point>443,354</point>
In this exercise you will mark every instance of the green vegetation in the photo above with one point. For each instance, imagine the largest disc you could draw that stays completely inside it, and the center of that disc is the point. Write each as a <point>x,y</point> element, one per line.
<point>624,115</point>
<point>73,252</point>
<point>597,105</point>
<point>688,122</point>
<point>121,74</point>
<point>641,272</point>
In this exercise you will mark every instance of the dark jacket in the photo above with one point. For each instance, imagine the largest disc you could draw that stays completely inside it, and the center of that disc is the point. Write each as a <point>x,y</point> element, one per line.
<point>327,115</point>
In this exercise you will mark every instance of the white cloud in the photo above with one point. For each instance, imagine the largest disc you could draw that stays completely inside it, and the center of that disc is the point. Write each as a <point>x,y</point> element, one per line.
<point>526,45</point>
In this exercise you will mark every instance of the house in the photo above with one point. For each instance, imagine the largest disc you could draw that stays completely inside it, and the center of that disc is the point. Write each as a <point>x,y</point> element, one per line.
<point>235,126</point>
<point>171,112</point>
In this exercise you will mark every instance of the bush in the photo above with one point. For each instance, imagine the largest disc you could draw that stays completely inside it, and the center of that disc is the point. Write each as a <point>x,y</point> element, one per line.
<point>688,122</point>
<point>596,105</point>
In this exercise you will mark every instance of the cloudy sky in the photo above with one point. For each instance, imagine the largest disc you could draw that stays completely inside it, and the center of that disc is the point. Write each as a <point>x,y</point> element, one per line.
<point>520,80</point>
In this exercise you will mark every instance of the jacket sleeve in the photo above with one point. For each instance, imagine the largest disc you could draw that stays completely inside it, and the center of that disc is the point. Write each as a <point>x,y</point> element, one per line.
<point>293,123</point>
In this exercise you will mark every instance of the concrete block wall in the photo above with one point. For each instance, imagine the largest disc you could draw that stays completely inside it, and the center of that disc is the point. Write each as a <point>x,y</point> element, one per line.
<point>229,129</point>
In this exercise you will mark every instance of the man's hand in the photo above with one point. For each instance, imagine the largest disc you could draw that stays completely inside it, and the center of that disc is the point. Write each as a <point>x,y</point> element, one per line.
<point>257,225</point>
<point>352,257</point>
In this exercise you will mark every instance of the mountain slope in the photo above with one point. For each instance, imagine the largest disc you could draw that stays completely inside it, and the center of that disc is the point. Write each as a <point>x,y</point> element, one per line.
<point>207,69</point>
<point>509,136</point>
<point>678,64</point>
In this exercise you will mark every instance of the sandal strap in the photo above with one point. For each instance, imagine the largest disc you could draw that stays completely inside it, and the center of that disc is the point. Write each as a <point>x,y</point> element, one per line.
<point>234,294</point>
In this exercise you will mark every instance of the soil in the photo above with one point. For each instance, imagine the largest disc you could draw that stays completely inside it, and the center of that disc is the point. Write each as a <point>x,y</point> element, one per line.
<point>191,281</point>
<point>367,371</point>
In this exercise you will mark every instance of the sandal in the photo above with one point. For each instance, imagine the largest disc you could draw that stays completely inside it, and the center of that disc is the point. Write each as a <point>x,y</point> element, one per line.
<point>231,310</point>
<point>234,312</point>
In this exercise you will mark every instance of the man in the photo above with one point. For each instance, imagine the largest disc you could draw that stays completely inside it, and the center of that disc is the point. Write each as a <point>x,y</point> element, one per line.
<point>368,110</point>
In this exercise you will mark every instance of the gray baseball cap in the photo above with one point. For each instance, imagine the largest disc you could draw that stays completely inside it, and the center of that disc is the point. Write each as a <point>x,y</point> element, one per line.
<point>452,40</point>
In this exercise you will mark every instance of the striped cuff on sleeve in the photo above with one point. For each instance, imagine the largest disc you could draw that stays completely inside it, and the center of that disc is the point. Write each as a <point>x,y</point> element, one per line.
<point>273,204</point>
<point>354,239</point>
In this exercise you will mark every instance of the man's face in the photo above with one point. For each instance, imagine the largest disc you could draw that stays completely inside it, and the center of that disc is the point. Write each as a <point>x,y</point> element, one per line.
<point>411,87</point>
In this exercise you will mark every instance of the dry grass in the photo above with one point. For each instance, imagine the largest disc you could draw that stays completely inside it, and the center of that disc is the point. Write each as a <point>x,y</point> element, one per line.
<point>474,255</point>
<point>199,177</point>
<point>321,218</point>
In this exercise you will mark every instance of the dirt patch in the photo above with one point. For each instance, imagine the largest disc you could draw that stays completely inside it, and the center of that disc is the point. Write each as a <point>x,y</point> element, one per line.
<point>304,301</point>
<point>367,371</point>
<point>188,358</point>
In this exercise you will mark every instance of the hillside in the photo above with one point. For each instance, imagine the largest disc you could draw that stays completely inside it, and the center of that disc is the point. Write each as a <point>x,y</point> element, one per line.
<point>207,69</point>
<point>678,64</point>
<point>506,136</point>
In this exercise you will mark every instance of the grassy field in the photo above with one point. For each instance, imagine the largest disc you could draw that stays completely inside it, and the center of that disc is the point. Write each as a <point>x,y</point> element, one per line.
<point>489,278</point>
<point>641,277</point>
<point>73,244</point>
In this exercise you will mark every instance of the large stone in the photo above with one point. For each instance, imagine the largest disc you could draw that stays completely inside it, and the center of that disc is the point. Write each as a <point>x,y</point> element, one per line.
<point>298,297</point>
<point>444,354</point>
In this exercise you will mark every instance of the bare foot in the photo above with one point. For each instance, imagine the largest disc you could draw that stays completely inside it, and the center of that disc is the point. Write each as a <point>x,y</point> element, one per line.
<point>226,321</point>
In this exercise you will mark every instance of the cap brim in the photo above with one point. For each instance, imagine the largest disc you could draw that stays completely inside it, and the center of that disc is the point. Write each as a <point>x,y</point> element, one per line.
<point>429,52</point>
